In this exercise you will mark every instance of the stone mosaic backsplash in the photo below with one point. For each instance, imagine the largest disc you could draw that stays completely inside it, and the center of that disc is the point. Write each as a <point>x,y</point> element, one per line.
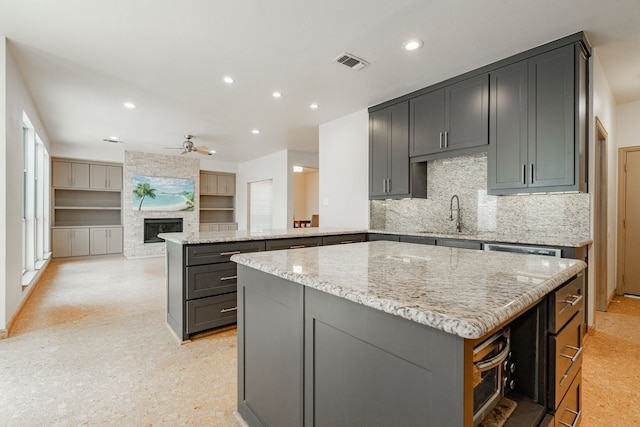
<point>565,214</point>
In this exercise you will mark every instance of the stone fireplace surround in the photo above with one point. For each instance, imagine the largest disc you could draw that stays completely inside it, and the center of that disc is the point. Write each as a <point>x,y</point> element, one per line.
<point>148,164</point>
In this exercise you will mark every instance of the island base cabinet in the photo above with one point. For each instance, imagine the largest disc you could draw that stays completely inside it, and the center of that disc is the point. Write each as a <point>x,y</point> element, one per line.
<point>269,349</point>
<point>307,358</point>
<point>364,367</point>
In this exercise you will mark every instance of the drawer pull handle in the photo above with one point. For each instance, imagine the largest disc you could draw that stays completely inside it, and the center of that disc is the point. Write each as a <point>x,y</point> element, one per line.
<point>296,247</point>
<point>575,421</point>
<point>228,278</point>
<point>346,241</point>
<point>575,356</point>
<point>228,310</point>
<point>570,302</point>
<point>229,253</point>
<point>573,361</point>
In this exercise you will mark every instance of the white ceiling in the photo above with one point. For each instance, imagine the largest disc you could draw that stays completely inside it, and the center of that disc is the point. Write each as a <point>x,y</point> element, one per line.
<point>82,59</point>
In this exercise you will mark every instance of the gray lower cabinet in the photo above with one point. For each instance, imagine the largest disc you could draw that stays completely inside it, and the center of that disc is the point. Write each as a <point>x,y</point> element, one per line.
<point>309,358</point>
<point>373,237</point>
<point>421,240</point>
<point>389,152</point>
<point>538,123</point>
<point>450,118</point>
<point>343,239</point>
<point>455,243</point>
<point>295,243</point>
<point>201,285</point>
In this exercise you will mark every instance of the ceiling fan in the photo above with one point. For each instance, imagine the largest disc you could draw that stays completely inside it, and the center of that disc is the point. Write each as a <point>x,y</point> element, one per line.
<point>188,147</point>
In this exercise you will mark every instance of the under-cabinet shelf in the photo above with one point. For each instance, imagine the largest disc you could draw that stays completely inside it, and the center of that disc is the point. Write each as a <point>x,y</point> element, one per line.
<point>93,208</point>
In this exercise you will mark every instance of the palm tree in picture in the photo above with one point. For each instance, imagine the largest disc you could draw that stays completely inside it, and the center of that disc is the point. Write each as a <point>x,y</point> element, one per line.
<point>143,190</point>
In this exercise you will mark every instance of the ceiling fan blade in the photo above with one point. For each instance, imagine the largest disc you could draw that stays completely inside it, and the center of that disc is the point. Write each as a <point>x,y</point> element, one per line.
<point>202,150</point>
<point>185,152</point>
<point>172,148</point>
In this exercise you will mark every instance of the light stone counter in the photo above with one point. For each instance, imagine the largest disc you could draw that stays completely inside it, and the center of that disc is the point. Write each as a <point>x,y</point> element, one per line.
<point>574,241</point>
<point>460,291</point>
<point>247,235</point>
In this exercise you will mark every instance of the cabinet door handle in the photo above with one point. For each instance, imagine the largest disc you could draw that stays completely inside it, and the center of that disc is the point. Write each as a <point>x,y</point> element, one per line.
<point>575,299</point>
<point>575,421</point>
<point>446,139</point>
<point>228,310</point>
<point>228,278</point>
<point>297,247</point>
<point>346,241</point>
<point>229,253</point>
<point>532,173</point>
<point>441,140</point>
<point>524,173</point>
<point>388,185</point>
<point>578,351</point>
<point>384,185</point>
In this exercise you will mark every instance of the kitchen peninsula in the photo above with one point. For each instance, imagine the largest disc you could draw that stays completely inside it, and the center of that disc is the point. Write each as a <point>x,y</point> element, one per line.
<point>383,333</point>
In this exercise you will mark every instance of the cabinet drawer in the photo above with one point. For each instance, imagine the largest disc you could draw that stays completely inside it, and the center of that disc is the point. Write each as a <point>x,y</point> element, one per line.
<point>212,279</point>
<point>387,237</point>
<point>565,302</point>
<point>219,252</point>
<point>344,238</point>
<point>274,245</point>
<point>565,355</point>
<point>419,240</point>
<point>211,312</point>
<point>569,411</point>
<point>454,243</point>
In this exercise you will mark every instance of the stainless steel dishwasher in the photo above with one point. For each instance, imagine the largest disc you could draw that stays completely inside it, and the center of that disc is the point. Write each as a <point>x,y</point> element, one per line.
<point>521,249</point>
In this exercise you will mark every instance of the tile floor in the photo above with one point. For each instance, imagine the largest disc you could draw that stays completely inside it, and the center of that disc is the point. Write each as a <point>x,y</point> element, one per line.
<point>92,348</point>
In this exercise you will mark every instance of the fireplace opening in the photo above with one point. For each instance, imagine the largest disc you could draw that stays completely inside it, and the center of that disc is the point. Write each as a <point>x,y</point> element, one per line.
<point>153,227</point>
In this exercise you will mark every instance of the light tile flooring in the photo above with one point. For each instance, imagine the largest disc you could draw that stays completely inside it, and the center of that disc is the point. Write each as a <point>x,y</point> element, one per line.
<point>92,348</point>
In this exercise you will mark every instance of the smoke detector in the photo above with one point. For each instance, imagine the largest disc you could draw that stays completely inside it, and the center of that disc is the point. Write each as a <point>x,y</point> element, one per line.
<point>351,61</point>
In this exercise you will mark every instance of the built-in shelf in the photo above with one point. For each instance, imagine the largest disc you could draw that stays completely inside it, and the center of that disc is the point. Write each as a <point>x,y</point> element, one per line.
<point>217,201</point>
<point>87,198</point>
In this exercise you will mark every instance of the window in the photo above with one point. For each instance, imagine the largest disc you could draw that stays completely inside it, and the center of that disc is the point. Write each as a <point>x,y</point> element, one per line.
<point>35,202</point>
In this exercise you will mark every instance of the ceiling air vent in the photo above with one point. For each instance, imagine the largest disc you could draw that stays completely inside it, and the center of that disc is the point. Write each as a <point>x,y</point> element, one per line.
<point>351,61</point>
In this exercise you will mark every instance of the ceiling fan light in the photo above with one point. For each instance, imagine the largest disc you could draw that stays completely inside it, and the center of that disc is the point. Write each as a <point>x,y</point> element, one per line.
<point>211,152</point>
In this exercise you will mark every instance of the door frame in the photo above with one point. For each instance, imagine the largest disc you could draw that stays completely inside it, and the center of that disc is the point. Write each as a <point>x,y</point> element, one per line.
<point>622,152</point>
<point>601,221</point>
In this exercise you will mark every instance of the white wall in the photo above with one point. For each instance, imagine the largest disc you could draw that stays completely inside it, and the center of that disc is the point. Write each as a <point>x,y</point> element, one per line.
<point>604,108</point>
<point>274,167</point>
<point>17,100</point>
<point>628,121</point>
<point>344,171</point>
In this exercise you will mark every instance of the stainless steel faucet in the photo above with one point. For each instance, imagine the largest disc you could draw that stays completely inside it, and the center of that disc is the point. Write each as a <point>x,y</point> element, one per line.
<point>457,209</point>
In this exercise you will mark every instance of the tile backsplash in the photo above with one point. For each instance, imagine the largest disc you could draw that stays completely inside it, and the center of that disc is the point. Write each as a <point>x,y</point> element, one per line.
<point>565,214</point>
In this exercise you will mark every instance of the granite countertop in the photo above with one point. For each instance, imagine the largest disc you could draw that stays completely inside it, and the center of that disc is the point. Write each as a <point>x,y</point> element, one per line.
<point>245,235</point>
<point>529,239</point>
<point>459,291</point>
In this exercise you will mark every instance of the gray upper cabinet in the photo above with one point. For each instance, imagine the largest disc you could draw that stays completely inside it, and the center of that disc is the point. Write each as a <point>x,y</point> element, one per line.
<point>389,152</point>
<point>538,129</point>
<point>450,118</point>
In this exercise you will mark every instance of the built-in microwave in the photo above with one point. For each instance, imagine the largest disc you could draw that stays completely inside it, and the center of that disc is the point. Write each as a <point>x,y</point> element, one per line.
<point>491,368</point>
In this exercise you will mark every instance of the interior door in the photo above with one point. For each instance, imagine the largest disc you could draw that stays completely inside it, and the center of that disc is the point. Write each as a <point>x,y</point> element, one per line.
<point>631,272</point>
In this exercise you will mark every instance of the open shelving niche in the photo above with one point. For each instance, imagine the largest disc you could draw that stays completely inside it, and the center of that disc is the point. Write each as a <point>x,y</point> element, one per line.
<point>217,211</point>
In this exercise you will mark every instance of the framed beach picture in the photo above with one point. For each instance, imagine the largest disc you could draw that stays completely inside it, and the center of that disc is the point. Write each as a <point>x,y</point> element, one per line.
<point>152,193</point>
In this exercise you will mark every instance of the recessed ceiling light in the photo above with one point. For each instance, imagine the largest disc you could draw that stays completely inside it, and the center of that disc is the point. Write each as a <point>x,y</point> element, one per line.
<point>413,45</point>
<point>298,169</point>
<point>130,105</point>
<point>255,131</point>
<point>228,79</point>
<point>277,95</point>
<point>314,106</point>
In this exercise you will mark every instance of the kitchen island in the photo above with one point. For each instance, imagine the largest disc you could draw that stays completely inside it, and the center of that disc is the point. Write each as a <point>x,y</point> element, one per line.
<point>382,333</point>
